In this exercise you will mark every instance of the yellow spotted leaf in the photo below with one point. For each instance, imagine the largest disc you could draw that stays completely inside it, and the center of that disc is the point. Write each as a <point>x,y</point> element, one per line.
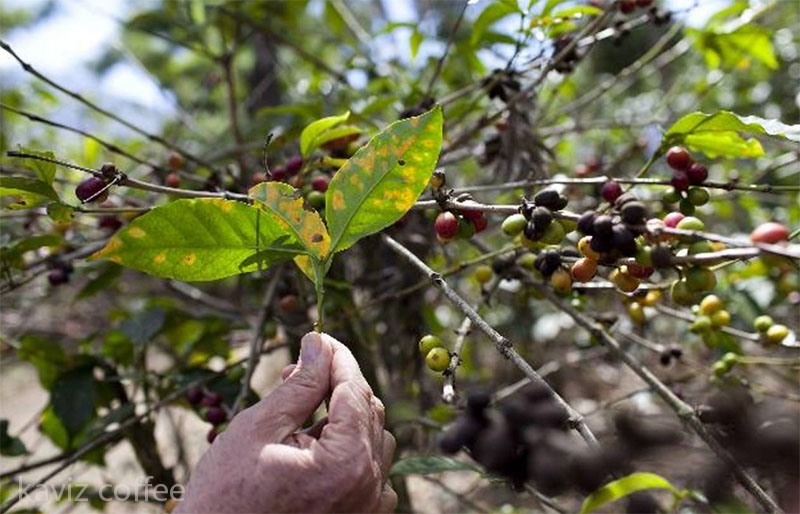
<point>381,182</point>
<point>201,239</point>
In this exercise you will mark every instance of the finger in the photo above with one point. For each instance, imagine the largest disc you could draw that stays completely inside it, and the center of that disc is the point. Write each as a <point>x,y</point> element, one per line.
<point>287,407</point>
<point>287,371</point>
<point>315,430</point>
<point>387,454</point>
<point>388,501</point>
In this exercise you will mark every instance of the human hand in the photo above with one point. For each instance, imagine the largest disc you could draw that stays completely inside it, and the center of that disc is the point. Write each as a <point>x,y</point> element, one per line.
<point>262,463</point>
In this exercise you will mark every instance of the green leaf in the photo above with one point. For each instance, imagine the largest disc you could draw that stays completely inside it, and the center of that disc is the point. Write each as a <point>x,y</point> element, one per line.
<point>52,427</point>
<point>414,42</point>
<point>46,171</point>
<point>578,11</point>
<point>718,134</point>
<point>550,5</point>
<point>493,12</point>
<point>103,280</point>
<point>733,49</point>
<point>59,212</point>
<point>29,192</point>
<point>336,133</point>
<point>315,129</point>
<point>284,204</point>
<point>144,325</point>
<point>381,182</point>
<point>45,354</point>
<point>625,486</point>
<point>10,446</point>
<point>118,347</point>
<point>429,465</point>
<point>72,398</point>
<point>200,239</point>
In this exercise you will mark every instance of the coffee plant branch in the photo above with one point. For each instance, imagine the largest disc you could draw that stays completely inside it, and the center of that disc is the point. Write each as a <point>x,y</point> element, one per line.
<point>503,345</point>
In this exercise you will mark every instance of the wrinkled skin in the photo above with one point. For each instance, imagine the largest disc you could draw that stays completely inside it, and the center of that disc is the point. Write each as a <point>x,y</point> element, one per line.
<point>262,463</point>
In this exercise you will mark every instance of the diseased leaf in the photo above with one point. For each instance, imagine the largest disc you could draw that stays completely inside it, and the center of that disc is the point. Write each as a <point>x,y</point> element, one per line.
<point>29,192</point>
<point>623,487</point>
<point>309,135</point>
<point>429,465</point>
<point>285,204</point>
<point>381,182</point>
<point>718,134</point>
<point>200,239</point>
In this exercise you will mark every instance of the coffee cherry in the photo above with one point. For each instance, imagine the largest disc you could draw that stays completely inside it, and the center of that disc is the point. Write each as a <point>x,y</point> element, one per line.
<point>586,223</point>
<point>762,323</point>
<point>526,261</point>
<point>719,369</point>
<point>700,279</point>
<point>438,359</point>
<point>721,318</point>
<point>211,435</point>
<point>644,256</point>
<point>547,262</point>
<point>697,174</point>
<point>58,276</point>
<point>633,213</point>
<point>112,223</point>
<point>700,324</point>
<point>600,244</point>
<point>216,415</point>
<point>553,234</point>
<point>584,246</point>
<point>639,271</point>
<point>698,196</point>
<point>278,173</point>
<point>481,222</point>
<point>644,3</point>
<point>672,219</point>
<point>316,199</point>
<point>446,225</point>
<point>680,181</point>
<point>671,196</point>
<point>636,313</point>
<point>700,247</point>
<point>610,191</point>
<point>678,158</point>
<point>428,343</point>
<point>626,282</point>
<point>466,229</point>
<point>686,207</point>
<point>211,399</point>
<point>603,226</point>
<point>624,241</point>
<point>320,183</point>
<point>289,303</point>
<point>584,269</point>
<point>483,274</point>
<point>173,180</point>
<point>625,199</point>
<point>626,6</point>
<point>257,178</point>
<point>769,233</point>
<point>514,224</point>
<point>547,198</point>
<point>661,257</point>
<point>710,304</point>
<point>561,281</point>
<point>777,333</point>
<point>194,395</point>
<point>89,188</point>
<point>681,294</point>
<point>437,179</point>
<point>541,217</point>
<point>691,223</point>
<point>293,164</point>
<point>174,161</point>
<point>651,298</point>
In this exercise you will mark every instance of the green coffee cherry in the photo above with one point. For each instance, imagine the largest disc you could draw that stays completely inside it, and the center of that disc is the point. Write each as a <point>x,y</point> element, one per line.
<point>700,279</point>
<point>316,199</point>
<point>428,343</point>
<point>721,318</point>
<point>681,294</point>
<point>700,324</point>
<point>697,196</point>
<point>514,224</point>
<point>553,234</point>
<point>644,256</point>
<point>686,207</point>
<point>526,261</point>
<point>700,247</point>
<point>777,333</point>
<point>671,196</point>
<point>719,368</point>
<point>762,323</point>
<point>691,223</point>
<point>730,359</point>
<point>438,359</point>
<point>483,274</point>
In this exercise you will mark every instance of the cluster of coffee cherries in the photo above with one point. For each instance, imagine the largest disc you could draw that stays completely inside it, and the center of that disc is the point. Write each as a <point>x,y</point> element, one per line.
<point>687,179</point>
<point>280,173</point>
<point>525,439</point>
<point>210,408</point>
<point>536,221</point>
<point>437,358</point>
<point>771,332</point>
<point>175,162</point>
<point>570,59</point>
<point>637,303</point>
<point>460,224</point>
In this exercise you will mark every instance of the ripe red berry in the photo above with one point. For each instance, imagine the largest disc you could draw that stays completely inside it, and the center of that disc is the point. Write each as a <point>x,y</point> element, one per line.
<point>212,434</point>
<point>678,158</point>
<point>697,173</point>
<point>611,191</point>
<point>481,223</point>
<point>770,233</point>
<point>194,395</point>
<point>320,184</point>
<point>471,214</point>
<point>288,303</point>
<point>89,188</point>
<point>216,415</point>
<point>175,160</point>
<point>257,178</point>
<point>211,399</point>
<point>672,219</point>
<point>58,276</point>
<point>278,173</point>
<point>680,181</point>
<point>109,222</point>
<point>173,180</point>
<point>626,6</point>
<point>639,271</point>
<point>294,164</point>
<point>446,225</point>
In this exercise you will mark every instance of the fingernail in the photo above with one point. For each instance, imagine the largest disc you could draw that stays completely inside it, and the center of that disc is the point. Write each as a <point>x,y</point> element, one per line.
<point>310,348</point>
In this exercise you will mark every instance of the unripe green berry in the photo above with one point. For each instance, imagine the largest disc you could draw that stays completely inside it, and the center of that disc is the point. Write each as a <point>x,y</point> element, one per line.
<point>721,318</point>
<point>730,359</point>
<point>671,196</point>
<point>316,199</point>
<point>777,333</point>
<point>644,256</point>
<point>700,247</point>
<point>681,294</point>
<point>762,323</point>
<point>700,324</point>
<point>686,207</point>
<point>719,368</point>
<point>526,261</point>
<point>428,343</point>
<point>691,223</point>
<point>514,224</point>
<point>697,196</point>
<point>553,234</point>
<point>483,274</point>
<point>438,359</point>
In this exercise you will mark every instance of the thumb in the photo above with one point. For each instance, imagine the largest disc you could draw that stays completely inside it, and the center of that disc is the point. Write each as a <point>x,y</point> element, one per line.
<point>304,390</point>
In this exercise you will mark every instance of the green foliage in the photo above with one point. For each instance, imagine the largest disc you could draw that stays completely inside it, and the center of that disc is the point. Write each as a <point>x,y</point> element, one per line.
<point>314,134</point>
<point>28,192</point>
<point>623,487</point>
<point>493,13</point>
<point>429,465</point>
<point>72,398</point>
<point>10,446</point>
<point>735,49</point>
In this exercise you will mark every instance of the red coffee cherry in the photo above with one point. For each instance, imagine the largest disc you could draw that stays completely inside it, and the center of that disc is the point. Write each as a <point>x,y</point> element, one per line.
<point>89,188</point>
<point>175,161</point>
<point>678,158</point>
<point>697,173</point>
<point>211,435</point>
<point>257,178</point>
<point>211,399</point>
<point>611,191</point>
<point>194,395</point>
<point>680,181</point>
<point>278,173</point>
<point>446,225</point>
<point>109,222</point>
<point>288,303</point>
<point>173,180</point>
<point>58,276</point>
<point>481,223</point>
<point>584,269</point>
<point>294,164</point>
<point>216,415</point>
<point>626,6</point>
<point>770,233</point>
<point>672,219</point>
<point>320,184</point>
